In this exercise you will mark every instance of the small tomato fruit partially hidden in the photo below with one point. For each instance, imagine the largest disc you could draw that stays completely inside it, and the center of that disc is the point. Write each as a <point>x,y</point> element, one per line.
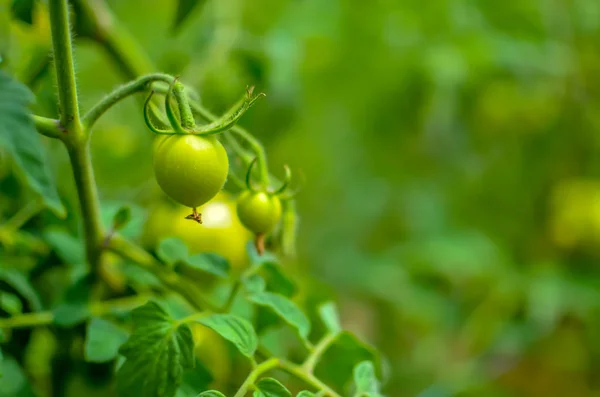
<point>221,232</point>
<point>191,169</point>
<point>258,211</point>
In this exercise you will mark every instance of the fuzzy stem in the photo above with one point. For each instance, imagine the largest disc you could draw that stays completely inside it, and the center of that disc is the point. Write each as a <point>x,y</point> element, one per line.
<point>63,62</point>
<point>133,87</point>
<point>81,163</point>
<point>185,112</point>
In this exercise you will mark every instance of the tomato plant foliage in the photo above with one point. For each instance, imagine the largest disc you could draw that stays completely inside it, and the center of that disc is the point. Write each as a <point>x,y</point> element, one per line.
<point>83,297</point>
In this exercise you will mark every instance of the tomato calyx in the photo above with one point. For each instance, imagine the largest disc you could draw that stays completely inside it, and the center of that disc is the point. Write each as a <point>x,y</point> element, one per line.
<point>185,124</point>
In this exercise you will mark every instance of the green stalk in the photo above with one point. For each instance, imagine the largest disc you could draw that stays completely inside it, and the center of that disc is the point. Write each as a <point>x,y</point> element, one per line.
<point>81,163</point>
<point>185,112</point>
<point>63,62</point>
<point>75,137</point>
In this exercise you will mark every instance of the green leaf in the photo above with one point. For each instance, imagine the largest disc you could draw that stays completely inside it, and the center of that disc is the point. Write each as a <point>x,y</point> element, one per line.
<point>254,283</point>
<point>23,10</point>
<point>198,378</point>
<point>305,393</point>
<point>121,218</point>
<point>184,9</point>
<point>337,363</point>
<point>10,303</point>
<point>74,308</point>
<point>157,352</point>
<point>269,387</point>
<point>329,314</point>
<point>69,248</point>
<point>20,284</point>
<point>210,263</point>
<point>172,250</point>
<point>276,280</point>
<point>134,226</point>
<point>103,340</point>
<point>286,309</point>
<point>19,137</point>
<point>13,382</point>
<point>365,379</point>
<point>211,393</point>
<point>235,329</point>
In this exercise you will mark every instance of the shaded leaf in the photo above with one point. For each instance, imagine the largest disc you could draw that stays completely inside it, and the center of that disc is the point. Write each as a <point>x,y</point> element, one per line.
<point>23,10</point>
<point>10,303</point>
<point>235,329</point>
<point>210,263</point>
<point>194,380</point>
<point>69,248</point>
<point>19,137</point>
<point>103,340</point>
<point>172,250</point>
<point>20,284</point>
<point>337,363</point>
<point>329,314</point>
<point>157,352</point>
<point>184,9</point>
<point>269,387</point>
<point>74,307</point>
<point>286,309</point>
<point>305,393</point>
<point>13,381</point>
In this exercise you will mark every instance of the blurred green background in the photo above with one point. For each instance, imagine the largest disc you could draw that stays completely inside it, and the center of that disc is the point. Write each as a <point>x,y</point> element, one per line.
<point>450,148</point>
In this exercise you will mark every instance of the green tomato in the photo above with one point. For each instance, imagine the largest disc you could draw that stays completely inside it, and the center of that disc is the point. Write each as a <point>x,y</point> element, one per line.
<point>258,211</point>
<point>191,169</point>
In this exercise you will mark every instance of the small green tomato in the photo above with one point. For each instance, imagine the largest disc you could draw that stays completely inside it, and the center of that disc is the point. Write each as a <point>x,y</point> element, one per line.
<point>191,169</point>
<point>258,211</point>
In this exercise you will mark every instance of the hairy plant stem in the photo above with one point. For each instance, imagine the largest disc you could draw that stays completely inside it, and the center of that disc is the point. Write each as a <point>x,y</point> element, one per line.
<point>139,85</point>
<point>81,163</point>
<point>65,70</point>
<point>74,136</point>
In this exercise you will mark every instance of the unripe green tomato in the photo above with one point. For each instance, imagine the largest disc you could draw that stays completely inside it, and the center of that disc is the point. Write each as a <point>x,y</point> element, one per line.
<point>258,211</point>
<point>191,169</point>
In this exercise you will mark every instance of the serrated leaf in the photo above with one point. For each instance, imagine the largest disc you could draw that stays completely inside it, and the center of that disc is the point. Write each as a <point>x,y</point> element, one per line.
<point>157,352</point>
<point>235,329</point>
<point>19,137</point>
<point>172,250</point>
<point>365,380</point>
<point>69,248</point>
<point>184,9</point>
<point>103,340</point>
<point>269,387</point>
<point>330,317</point>
<point>23,10</point>
<point>20,284</point>
<point>211,393</point>
<point>305,393</point>
<point>210,263</point>
<point>286,309</point>
<point>74,307</point>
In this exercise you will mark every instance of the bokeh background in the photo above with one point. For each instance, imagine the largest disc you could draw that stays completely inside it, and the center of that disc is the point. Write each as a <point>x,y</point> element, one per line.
<point>450,148</point>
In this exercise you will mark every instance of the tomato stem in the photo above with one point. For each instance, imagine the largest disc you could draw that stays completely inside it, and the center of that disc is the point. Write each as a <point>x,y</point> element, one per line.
<point>185,112</point>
